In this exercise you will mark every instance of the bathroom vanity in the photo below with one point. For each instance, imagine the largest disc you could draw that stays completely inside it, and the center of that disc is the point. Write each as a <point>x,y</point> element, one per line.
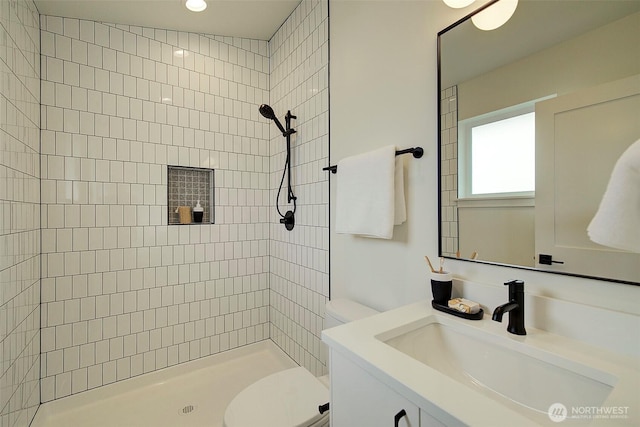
<point>414,366</point>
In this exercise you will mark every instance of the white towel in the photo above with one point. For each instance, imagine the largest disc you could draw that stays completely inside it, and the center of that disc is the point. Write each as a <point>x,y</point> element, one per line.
<point>365,199</point>
<point>400,205</point>
<point>617,222</point>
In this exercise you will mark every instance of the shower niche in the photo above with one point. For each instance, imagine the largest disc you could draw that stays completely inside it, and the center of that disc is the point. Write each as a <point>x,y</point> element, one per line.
<point>190,195</point>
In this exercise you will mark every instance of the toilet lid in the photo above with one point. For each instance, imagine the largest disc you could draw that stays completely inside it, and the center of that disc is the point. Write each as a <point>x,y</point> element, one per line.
<point>288,398</point>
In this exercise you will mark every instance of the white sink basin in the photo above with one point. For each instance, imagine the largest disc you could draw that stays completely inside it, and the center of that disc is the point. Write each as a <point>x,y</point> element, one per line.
<point>524,378</point>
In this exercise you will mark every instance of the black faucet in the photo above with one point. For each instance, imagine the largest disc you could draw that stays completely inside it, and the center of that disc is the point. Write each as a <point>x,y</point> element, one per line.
<point>515,307</point>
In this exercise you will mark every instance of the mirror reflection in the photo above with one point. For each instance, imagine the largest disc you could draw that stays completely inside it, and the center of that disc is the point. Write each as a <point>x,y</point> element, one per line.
<point>533,117</point>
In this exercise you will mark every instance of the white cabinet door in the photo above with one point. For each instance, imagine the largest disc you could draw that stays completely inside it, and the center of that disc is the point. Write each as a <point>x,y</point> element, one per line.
<point>360,400</point>
<point>579,137</point>
<point>426,420</point>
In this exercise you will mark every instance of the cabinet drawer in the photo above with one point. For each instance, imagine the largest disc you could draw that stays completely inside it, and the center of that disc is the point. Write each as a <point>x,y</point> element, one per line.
<point>359,399</point>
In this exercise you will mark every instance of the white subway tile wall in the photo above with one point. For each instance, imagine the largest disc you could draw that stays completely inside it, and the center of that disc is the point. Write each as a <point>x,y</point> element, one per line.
<point>449,169</point>
<point>19,213</point>
<point>299,258</point>
<point>123,293</point>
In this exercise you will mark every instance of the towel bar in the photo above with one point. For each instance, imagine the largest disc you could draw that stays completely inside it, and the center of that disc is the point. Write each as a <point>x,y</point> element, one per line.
<point>416,151</point>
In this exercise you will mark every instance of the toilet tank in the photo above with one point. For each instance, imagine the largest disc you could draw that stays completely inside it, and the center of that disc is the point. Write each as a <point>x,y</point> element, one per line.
<point>341,310</point>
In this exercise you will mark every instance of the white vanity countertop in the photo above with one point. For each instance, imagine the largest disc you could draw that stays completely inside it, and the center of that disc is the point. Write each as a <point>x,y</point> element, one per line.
<point>456,404</point>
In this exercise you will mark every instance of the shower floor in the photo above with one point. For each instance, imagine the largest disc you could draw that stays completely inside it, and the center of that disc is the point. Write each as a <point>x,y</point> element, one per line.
<point>193,394</point>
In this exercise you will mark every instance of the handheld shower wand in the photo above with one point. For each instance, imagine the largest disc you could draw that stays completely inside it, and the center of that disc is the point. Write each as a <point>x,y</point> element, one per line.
<point>267,113</point>
<point>288,218</point>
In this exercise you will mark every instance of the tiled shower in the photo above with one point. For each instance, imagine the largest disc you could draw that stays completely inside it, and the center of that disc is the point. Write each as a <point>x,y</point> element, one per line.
<point>449,170</point>
<point>299,259</point>
<point>19,213</point>
<point>123,293</point>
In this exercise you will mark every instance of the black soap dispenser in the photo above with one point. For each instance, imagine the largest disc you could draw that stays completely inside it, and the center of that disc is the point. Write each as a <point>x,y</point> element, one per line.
<point>198,212</point>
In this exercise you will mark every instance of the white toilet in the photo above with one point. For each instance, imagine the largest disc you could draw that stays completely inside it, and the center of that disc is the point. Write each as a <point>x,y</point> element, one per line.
<point>291,398</point>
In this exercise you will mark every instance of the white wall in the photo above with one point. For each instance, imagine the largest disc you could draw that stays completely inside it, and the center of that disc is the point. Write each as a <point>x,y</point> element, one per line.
<point>503,234</point>
<point>384,90</point>
<point>564,71</point>
<point>19,213</point>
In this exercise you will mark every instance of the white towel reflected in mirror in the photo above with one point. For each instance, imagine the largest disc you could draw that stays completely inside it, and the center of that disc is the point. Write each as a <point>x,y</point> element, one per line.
<point>617,221</point>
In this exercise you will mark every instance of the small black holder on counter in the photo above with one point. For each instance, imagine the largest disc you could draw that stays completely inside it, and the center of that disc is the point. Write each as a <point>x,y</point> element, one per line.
<point>470,316</point>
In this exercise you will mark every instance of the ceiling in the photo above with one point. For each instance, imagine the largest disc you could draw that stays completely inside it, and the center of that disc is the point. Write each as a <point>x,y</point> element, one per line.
<point>467,52</point>
<point>254,19</point>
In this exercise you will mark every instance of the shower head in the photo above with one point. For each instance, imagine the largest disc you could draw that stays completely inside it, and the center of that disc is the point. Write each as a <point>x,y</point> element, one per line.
<point>267,113</point>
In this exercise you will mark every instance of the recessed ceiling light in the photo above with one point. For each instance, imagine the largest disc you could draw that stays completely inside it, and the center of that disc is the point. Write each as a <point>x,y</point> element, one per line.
<point>196,5</point>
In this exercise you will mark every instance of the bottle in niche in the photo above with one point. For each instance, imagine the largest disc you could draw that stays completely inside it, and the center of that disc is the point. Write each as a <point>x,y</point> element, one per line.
<point>198,212</point>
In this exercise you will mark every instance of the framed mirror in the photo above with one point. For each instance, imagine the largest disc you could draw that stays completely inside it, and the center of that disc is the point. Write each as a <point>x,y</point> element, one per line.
<point>533,117</point>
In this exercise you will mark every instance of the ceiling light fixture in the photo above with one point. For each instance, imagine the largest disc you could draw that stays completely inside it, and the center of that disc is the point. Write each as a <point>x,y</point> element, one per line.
<point>495,15</point>
<point>458,4</point>
<point>196,5</point>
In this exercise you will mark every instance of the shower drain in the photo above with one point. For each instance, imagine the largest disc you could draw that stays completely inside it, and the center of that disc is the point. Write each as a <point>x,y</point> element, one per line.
<point>187,410</point>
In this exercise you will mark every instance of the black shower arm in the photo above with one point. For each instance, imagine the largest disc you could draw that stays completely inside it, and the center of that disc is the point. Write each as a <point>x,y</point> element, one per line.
<point>284,132</point>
